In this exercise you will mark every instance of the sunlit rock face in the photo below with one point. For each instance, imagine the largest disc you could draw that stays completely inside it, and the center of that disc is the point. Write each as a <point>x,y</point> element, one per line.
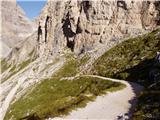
<point>79,25</point>
<point>84,25</point>
<point>15,26</point>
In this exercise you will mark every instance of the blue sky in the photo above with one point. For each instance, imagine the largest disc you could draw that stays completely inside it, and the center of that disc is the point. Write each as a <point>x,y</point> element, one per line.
<point>32,8</point>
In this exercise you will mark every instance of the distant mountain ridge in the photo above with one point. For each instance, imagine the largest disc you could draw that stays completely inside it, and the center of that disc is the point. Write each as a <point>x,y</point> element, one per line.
<point>15,26</point>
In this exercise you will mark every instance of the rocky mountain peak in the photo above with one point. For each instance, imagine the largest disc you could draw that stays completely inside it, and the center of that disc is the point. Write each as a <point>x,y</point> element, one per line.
<point>15,26</point>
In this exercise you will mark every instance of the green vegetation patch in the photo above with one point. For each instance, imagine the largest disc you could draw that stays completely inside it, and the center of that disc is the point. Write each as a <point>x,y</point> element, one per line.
<point>84,59</point>
<point>131,59</point>
<point>4,65</point>
<point>55,97</point>
<point>23,64</point>
<point>31,53</point>
<point>148,107</point>
<point>16,68</point>
<point>71,68</point>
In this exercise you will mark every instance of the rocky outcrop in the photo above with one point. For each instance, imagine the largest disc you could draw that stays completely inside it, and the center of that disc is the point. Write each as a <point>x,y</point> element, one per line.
<point>88,25</point>
<point>150,14</point>
<point>15,26</point>
<point>84,25</point>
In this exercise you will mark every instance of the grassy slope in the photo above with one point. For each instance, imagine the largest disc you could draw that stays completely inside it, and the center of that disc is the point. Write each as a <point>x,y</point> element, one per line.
<point>55,97</point>
<point>132,60</point>
<point>4,66</point>
<point>15,68</point>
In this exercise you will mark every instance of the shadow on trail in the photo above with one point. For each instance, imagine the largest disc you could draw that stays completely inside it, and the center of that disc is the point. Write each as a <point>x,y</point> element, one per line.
<point>148,101</point>
<point>136,89</point>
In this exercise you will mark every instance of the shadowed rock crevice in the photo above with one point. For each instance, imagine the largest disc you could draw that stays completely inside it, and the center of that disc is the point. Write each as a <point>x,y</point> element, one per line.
<point>39,32</point>
<point>46,27</point>
<point>68,33</point>
<point>79,29</point>
<point>87,31</point>
<point>122,4</point>
<point>157,5</point>
<point>86,5</point>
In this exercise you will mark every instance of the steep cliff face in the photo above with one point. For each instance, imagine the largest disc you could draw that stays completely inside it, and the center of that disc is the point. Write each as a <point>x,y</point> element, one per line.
<point>85,25</point>
<point>15,26</point>
<point>82,26</point>
<point>150,14</point>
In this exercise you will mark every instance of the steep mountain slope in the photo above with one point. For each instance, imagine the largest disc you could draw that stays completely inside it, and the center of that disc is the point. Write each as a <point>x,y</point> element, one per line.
<point>19,78</point>
<point>5,50</point>
<point>129,57</point>
<point>15,26</point>
<point>134,60</point>
<point>61,93</point>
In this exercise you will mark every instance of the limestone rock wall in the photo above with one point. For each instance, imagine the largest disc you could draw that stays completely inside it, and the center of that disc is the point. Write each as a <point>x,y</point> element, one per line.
<point>83,25</point>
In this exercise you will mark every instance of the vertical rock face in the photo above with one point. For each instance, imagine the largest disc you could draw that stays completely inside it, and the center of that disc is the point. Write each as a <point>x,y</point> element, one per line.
<point>15,26</point>
<point>83,25</point>
<point>150,14</point>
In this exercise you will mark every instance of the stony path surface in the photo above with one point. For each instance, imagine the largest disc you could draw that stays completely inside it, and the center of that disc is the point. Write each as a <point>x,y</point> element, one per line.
<point>109,106</point>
